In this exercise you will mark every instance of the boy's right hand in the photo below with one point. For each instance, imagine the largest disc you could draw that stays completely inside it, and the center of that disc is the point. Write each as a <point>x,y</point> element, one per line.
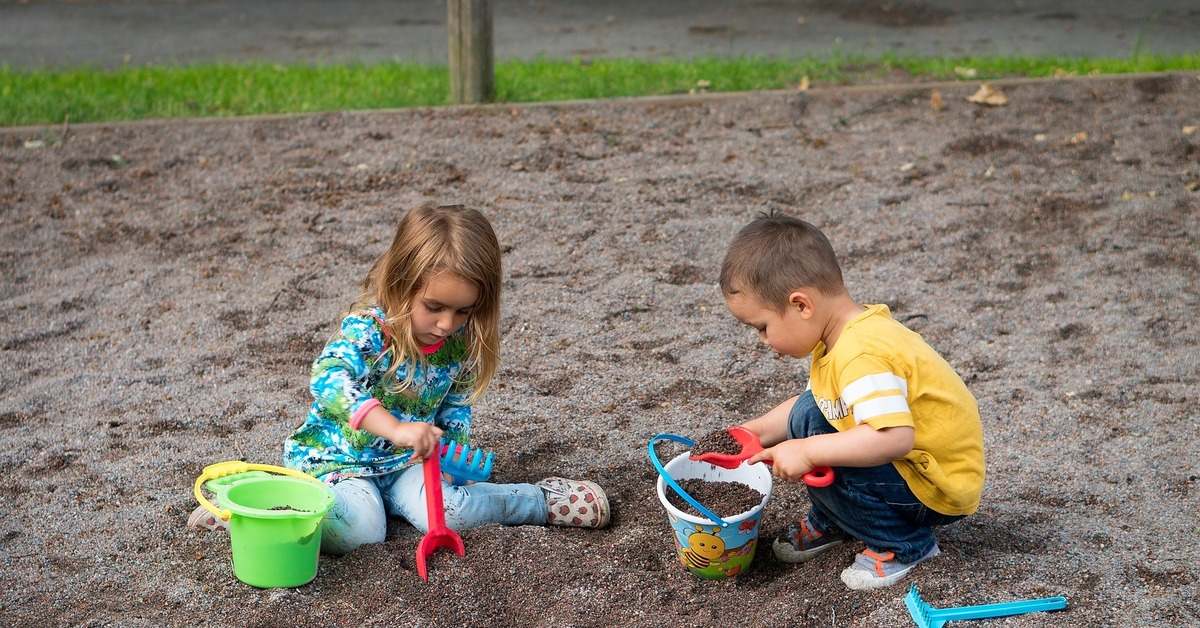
<point>789,460</point>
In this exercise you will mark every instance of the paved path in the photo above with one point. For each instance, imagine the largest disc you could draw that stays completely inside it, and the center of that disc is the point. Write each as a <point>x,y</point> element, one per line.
<point>109,33</point>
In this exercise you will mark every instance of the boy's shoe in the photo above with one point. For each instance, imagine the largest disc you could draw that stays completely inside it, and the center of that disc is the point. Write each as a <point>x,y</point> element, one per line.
<point>873,571</point>
<point>575,503</point>
<point>805,542</point>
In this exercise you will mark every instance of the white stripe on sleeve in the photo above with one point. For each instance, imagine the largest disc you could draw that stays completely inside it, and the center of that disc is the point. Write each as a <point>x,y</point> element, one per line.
<point>891,404</point>
<point>868,385</point>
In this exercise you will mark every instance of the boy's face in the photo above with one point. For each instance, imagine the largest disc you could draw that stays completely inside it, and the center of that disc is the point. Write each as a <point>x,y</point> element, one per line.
<point>792,332</point>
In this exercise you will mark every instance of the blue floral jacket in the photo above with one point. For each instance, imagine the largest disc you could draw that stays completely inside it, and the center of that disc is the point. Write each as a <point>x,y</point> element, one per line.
<point>350,373</point>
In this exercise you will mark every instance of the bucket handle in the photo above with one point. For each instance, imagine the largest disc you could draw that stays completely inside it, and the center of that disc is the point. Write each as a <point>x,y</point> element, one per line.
<point>671,481</point>
<point>233,467</point>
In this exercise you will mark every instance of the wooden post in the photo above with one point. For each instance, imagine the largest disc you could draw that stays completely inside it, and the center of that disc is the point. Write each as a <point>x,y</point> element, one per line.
<point>472,74</point>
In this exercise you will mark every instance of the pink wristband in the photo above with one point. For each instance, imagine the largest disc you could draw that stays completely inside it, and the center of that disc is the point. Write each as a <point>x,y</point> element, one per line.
<point>357,418</point>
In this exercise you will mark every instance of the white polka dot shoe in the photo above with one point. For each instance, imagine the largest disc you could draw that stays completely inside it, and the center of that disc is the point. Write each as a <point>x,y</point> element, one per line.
<point>575,503</point>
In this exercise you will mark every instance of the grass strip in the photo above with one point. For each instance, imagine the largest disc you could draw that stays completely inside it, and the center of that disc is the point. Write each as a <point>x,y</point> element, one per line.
<point>34,97</point>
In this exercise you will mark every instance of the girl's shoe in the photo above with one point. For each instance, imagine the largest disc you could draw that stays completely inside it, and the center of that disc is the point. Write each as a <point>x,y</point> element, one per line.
<point>203,519</point>
<point>805,542</point>
<point>575,503</point>
<point>872,571</point>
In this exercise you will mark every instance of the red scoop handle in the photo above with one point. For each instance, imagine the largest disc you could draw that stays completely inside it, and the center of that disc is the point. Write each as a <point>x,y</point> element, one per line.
<point>439,534</point>
<point>819,477</point>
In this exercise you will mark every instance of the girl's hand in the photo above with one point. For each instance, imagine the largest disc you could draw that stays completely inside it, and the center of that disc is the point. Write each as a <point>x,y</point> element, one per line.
<point>423,438</point>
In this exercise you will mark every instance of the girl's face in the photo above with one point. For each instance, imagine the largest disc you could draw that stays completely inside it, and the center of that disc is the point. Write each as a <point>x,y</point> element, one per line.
<point>442,307</point>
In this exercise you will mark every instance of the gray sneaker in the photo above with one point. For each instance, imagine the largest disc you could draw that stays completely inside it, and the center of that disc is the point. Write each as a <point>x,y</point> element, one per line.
<point>873,571</point>
<point>805,542</point>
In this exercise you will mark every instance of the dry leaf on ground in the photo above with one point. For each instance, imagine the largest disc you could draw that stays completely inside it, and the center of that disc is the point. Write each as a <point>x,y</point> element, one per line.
<point>936,101</point>
<point>988,95</point>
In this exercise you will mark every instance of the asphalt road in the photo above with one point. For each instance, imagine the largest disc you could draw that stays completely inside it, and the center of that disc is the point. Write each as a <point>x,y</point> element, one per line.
<point>109,33</point>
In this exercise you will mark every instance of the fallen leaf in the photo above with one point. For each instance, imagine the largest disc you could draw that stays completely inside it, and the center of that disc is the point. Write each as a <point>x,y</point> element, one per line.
<point>1077,138</point>
<point>1061,73</point>
<point>1188,130</point>
<point>1040,137</point>
<point>936,101</point>
<point>803,86</point>
<point>988,95</point>
<point>967,73</point>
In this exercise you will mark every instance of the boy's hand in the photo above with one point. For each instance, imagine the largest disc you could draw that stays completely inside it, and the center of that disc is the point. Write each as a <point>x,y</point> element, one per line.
<point>789,460</point>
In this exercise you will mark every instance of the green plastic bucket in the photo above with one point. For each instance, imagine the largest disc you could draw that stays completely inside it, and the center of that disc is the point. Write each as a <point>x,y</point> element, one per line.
<point>711,547</point>
<point>274,516</point>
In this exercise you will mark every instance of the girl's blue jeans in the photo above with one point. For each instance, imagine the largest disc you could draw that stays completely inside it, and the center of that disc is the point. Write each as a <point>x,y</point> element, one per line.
<point>361,507</point>
<point>871,504</point>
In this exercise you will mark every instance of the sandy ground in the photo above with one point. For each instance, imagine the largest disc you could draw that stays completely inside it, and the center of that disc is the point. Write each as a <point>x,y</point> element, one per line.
<point>165,287</point>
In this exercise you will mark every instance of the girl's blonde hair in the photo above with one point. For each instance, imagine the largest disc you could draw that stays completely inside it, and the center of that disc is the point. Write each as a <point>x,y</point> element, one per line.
<point>433,239</point>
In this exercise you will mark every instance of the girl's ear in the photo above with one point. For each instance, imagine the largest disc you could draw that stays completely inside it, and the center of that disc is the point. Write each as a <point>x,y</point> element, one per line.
<point>801,300</point>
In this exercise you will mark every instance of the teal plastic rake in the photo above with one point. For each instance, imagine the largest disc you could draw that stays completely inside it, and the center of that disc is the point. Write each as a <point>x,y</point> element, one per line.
<point>927,616</point>
<point>466,464</point>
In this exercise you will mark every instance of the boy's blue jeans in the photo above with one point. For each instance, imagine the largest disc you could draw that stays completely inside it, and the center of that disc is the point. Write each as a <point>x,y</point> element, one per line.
<point>361,507</point>
<point>871,504</point>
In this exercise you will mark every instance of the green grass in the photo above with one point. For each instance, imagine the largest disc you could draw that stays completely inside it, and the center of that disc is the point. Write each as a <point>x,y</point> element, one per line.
<point>220,90</point>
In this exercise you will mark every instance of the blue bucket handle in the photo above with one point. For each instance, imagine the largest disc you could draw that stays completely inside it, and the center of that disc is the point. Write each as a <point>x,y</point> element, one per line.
<point>671,481</point>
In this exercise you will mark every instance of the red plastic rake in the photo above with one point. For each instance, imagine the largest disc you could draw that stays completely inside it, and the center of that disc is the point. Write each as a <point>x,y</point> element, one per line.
<point>438,535</point>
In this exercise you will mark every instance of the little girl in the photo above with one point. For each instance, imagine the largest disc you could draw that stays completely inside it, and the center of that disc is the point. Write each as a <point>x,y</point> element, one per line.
<point>419,346</point>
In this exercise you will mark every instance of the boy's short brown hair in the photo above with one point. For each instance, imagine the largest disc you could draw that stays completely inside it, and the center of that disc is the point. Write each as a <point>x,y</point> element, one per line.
<point>776,254</point>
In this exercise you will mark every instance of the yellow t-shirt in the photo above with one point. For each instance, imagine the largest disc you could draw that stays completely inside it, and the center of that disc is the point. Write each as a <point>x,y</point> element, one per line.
<point>885,375</point>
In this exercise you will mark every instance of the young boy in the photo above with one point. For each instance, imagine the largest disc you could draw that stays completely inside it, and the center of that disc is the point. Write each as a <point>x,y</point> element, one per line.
<point>889,414</point>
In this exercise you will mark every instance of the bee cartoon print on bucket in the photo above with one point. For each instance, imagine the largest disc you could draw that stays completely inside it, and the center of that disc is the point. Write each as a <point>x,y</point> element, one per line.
<point>702,548</point>
<point>703,553</point>
<point>707,548</point>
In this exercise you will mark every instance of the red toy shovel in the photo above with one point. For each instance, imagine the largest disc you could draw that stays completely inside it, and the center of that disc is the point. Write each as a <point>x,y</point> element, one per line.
<point>817,478</point>
<point>438,535</point>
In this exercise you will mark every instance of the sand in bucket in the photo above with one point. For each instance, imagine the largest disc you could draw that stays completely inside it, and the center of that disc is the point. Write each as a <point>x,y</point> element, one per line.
<point>704,547</point>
